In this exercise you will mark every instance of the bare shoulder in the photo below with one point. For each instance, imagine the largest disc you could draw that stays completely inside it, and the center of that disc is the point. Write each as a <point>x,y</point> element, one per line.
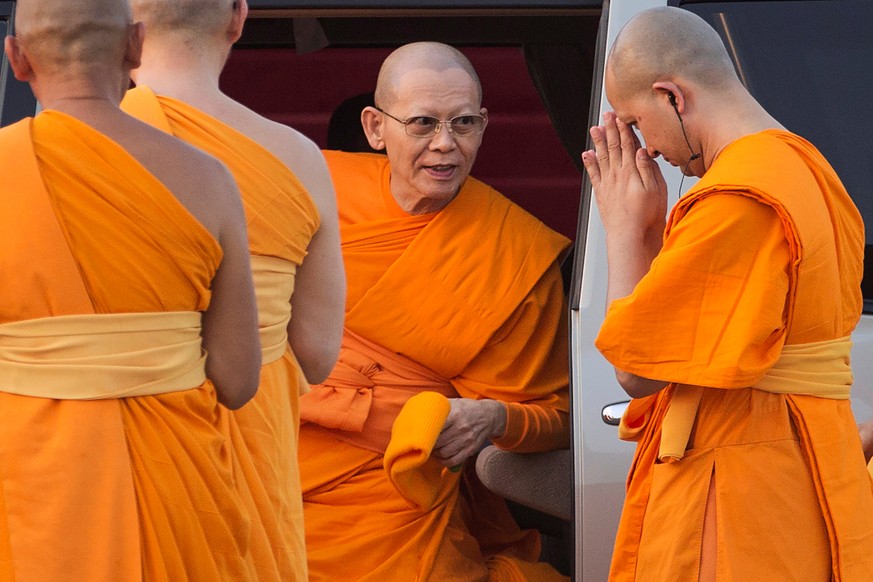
<point>199,181</point>
<point>298,152</point>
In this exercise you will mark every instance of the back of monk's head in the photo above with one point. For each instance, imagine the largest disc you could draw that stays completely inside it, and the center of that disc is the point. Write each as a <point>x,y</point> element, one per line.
<point>420,55</point>
<point>189,19</point>
<point>74,35</point>
<point>668,43</point>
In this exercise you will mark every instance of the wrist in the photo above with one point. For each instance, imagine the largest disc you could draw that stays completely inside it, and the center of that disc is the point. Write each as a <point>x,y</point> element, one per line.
<point>498,419</point>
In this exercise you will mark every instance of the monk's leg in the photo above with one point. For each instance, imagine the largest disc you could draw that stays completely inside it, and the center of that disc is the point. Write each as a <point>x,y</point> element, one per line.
<point>708,547</point>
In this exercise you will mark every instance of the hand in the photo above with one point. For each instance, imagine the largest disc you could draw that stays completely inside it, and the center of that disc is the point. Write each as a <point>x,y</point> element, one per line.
<point>630,189</point>
<point>471,424</point>
<point>866,430</point>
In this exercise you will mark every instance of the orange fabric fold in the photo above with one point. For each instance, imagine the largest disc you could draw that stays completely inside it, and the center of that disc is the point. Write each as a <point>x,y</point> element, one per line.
<point>143,487</point>
<point>281,219</point>
<point>769,219</point>
<point>366,391</point>
<point>470,326</point>
<point>417,477</point>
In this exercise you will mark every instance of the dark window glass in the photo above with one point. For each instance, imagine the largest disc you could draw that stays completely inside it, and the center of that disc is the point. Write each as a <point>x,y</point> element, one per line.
<point>807,63</point>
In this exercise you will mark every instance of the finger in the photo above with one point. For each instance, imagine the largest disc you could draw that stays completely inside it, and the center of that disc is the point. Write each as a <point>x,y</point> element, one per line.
<point>627,139</point>
<point>589,160</point>
<point>649,171</point>
<point>613,139</point>
<point>598,138</point>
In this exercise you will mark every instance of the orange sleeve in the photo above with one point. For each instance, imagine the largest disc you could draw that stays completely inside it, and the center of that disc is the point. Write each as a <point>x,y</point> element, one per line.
<point>711,311</point>
<point>525,365</point>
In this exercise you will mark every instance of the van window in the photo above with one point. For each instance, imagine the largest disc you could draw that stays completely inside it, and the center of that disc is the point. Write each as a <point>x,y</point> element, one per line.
<point>807,64</point>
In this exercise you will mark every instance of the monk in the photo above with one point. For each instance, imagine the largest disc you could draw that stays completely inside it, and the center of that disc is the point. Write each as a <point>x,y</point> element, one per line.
<point>293,239</point>
<point>114,241</point>
<point>729,325</point>
<point>453,292</point>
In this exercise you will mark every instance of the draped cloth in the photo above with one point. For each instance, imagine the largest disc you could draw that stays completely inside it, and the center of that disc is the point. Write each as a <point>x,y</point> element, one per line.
<point>463,302</point>
<point>281,220</point>
<point>746,312</point>
<point>114,489</point>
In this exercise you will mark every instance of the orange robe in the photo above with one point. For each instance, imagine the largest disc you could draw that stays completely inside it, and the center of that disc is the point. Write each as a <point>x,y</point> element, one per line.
<point>762,258</point>
<point>466,301</point>
<point>282,219</point>
<point>116,489</point>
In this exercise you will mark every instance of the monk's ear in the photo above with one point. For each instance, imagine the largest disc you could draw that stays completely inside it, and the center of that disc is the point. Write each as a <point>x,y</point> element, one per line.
<point>240,12</point>
<point>133,47</point>
<point>18,60</point>
<point>672,94</point>
<point>372,120</point>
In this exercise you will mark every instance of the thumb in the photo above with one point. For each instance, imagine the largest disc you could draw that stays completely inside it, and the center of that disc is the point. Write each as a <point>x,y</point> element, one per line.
<point>648,169</point>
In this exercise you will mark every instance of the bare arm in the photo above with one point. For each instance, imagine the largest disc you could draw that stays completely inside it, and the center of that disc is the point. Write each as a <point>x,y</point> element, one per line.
<point>230,323</point>
<point>866,430</point>
<point>632,200</point>
<point>318,303</point>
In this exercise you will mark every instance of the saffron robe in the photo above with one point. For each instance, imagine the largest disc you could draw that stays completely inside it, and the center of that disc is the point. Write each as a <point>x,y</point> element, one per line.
<point>764,253</point>
<point>281,220</point>
<point>117,489</point>
<point>464,302</point>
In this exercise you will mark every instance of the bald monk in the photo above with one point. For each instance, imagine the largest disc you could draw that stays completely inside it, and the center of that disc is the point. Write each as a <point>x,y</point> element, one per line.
<point>730,327</point>
<point>293,240</point>
<point>114,240</point>
<point>452,290</point>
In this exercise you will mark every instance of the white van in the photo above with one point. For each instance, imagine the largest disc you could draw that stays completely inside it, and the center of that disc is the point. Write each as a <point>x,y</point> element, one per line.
<point>541,64</point>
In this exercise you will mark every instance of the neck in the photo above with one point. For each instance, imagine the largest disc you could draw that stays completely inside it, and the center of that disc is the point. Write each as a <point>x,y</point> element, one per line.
<point>175,70</point>
<point>70,93</point>
<point>417,206</point>
<point>735,119</point>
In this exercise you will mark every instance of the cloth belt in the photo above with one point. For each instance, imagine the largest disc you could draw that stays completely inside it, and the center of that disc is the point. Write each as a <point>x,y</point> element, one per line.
<point>274,285</point>
<point>820,369</point>
<point>365,392</point>
<point>95,356</point>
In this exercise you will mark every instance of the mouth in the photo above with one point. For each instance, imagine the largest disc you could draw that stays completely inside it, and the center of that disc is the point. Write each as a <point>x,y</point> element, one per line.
<point>440,171</point>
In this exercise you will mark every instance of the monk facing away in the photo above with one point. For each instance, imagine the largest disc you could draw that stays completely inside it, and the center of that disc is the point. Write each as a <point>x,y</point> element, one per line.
<point>293,239</point>
<point>120,247</point>
<point>730,327</point>
<point>455,336</point>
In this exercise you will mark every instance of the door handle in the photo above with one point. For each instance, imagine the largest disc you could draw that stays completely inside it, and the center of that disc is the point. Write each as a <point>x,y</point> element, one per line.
<point>611,414</point>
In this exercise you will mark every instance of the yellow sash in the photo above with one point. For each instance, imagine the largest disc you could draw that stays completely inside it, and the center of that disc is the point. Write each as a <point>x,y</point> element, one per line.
<point>274,284</point>
<point>820,369</point>
<point>94,356</point>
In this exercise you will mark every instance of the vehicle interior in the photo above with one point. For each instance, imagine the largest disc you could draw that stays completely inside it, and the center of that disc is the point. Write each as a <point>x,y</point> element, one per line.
<point>314,69</point>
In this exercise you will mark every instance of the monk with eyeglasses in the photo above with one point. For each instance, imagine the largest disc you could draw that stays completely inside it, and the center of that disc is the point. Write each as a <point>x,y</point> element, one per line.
<point>455,337</point>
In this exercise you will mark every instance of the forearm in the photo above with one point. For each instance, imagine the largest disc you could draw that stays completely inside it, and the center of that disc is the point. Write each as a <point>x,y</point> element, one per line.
<point>535,426</point>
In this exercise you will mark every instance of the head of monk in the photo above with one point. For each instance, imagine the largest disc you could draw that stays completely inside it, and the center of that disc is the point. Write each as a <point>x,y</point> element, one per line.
<point>418,84</point>
<point>666,63</point>
<point>203,26</point>
<point>82,47</point>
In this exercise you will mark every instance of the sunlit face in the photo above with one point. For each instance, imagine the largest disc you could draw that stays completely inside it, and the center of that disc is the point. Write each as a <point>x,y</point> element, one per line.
<point>427,173</point>
<point>651,115</point>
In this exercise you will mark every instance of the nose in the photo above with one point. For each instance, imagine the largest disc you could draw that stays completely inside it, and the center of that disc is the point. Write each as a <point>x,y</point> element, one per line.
<point>653,153</point>
<point>443,139</point>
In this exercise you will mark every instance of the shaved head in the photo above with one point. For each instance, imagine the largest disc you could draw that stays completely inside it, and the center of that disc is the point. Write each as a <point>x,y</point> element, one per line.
<point>180,17</point>
<point>420,55</point>
<point>664,43</point>
<point>72,34</point>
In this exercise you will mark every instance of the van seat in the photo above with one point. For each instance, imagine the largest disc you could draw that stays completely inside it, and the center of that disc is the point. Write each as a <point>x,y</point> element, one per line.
<point>542,481</point>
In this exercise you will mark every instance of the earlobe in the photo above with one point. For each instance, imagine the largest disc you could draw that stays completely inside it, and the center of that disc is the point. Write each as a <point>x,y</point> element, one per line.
<point>371,120</point>
<point>133,50</point>
<point>17,60</point>
<point>240,13</point>
<point>673,95</point>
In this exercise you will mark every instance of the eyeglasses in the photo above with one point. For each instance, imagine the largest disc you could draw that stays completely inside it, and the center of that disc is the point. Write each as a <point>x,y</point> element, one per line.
<point>425,126</point>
